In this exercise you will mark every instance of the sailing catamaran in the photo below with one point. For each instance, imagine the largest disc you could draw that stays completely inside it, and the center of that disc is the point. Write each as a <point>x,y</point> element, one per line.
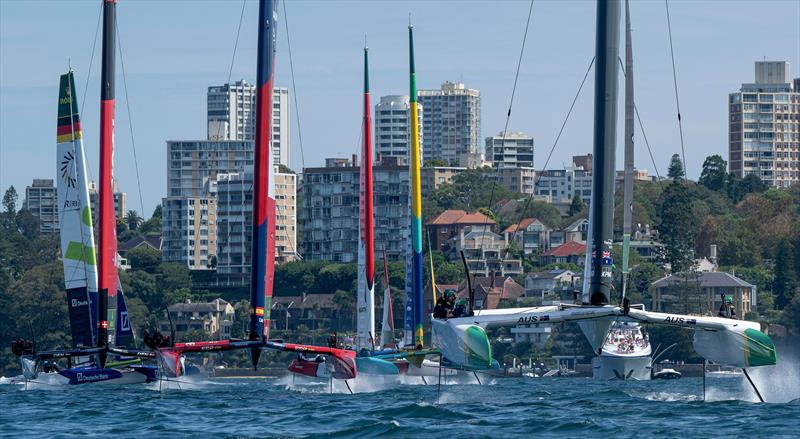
<point>92,321</point>
<point>341,363</point>
<point>626,352</point>
<point>463,341</point>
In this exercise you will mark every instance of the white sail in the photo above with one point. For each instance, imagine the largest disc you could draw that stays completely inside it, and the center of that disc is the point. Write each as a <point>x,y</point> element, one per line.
<point>75,218</point>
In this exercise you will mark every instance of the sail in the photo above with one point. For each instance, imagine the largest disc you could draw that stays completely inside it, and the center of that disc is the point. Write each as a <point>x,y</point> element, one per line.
<point>263,233</point>
<point>365,332</point>
<point>75,217</point>
<point>124,328</point>
<point>627,198</point>
<point>107,244</point>
<point>416,200</point>
<point>387,326</point>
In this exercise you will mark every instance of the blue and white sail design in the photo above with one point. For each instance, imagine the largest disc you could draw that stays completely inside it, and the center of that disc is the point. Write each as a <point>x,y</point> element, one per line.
<point>75,218</point>
<point>124,328</point>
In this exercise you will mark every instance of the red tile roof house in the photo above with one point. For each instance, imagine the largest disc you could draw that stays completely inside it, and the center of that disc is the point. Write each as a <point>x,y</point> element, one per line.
<point>531,235</point>
<point>573,252</point>
<point>450,223</point>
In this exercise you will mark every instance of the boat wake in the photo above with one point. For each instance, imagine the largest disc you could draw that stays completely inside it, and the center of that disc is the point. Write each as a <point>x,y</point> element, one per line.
<point>182,383</point>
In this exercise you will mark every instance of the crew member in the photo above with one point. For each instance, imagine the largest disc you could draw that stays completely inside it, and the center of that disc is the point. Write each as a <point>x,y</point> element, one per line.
<point>440,309</point>
<point>449,300</point>
<point>460,308</point>
<point>727,310</point>
<point>332,343</point>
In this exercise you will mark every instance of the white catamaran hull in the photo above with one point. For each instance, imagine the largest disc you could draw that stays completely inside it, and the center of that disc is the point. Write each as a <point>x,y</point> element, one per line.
<point>607,367</point>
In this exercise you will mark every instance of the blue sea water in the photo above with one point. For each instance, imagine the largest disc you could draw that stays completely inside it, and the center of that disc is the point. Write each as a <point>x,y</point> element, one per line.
<point>500,407</point>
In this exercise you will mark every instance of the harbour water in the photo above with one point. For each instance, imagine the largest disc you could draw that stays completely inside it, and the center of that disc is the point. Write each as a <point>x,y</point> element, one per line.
<point>509,407</point>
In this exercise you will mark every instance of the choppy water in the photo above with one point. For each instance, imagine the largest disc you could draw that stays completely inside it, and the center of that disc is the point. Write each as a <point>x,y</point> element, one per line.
<point>510,407</point>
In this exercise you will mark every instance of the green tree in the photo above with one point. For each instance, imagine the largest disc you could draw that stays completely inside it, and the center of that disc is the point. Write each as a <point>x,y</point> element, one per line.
<point>152,227</point>
<point>133,219</point>
<point>144,258</point>
<point>345,303</point>
<point>752,183</point>
<point>27,224</point>
<point>676,171</point>
<point>173,276</point>
<point>714,175</point>
<point>10,202</point>
<point>791,316</point>
<point>576,206</point>
<point>435,163</point>
<point>785,281</point>
<point>677,226</point>
<point>283,169</point>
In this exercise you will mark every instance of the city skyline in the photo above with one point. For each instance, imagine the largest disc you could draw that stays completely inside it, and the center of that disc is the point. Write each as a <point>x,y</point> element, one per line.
<point>170,66</point>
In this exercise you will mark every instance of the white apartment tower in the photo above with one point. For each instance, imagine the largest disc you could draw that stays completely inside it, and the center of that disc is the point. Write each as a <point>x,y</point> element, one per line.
<point>452,124</point>
<point>393,127</point>
<point>234,225</point>
<point>41,201</point>
<point>764,126</point>
<point>510,150</point>
<point>231,112</point>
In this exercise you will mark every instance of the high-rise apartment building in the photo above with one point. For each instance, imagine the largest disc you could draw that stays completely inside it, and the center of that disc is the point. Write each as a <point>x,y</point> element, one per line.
<point>510,150</point>
<point>393,126</point>
<point>231,116</point>
<point>234,225</point>
<point>329,212</point>
<point>191,164</point>
<point>120,200</point>
<point>41,201</point>
<point>764,126</point>
<point>192,171</point>
<point>189,230</point>
<point>452,124</point>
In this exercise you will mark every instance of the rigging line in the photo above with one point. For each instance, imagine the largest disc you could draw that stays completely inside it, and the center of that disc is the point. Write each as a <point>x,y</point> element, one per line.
<point>294,89</point>
<point>641,127</point>
<point>560,132</point>
<point>89,73</point>
<point>233,57</point>
<point>130,119</point>
<point>675,83</point>
<point>510,105</point>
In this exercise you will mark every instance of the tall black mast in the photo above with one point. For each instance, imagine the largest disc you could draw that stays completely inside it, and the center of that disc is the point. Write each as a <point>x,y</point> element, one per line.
<point>605,121</point>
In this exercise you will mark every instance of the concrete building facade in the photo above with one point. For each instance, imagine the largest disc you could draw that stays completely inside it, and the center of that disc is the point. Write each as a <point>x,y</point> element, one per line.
<point>41,200</point>
<point>234,225</point>
<point>510,150</point>
<point>329,212</point>
<point>189,230</point>
<point>452,124</point>
<point>560,185</point>
<point>764,126</point>
<point>231,112</point>
<point>393,127</point>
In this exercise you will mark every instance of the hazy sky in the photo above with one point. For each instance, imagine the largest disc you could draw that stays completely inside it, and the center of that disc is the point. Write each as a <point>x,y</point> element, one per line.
<point>173,50</point>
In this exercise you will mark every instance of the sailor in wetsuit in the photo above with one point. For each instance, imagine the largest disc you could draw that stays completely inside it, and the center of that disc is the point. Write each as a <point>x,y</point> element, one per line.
<point>727,310</point>
<point>440,310</point>
<point>460,308</point>
<point>449,301</point>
